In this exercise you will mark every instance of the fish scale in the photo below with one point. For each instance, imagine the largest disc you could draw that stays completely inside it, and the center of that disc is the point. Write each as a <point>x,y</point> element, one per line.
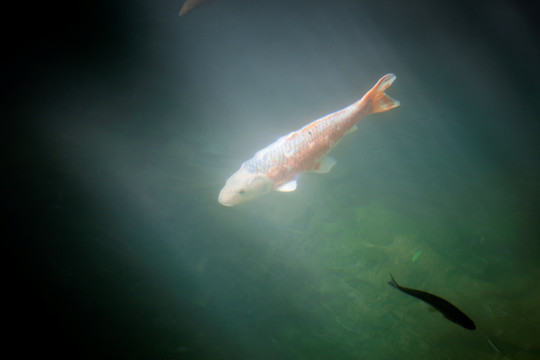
<point>300,150</point>
<point>300,142</point>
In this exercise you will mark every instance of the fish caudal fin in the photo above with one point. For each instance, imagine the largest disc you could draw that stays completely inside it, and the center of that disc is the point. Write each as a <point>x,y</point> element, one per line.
<point>379,100</point>
<point>191,5</point>
<point>393,282</point>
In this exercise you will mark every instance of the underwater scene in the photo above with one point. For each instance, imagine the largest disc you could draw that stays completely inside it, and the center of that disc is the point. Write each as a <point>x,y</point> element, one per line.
<point>419,238</point>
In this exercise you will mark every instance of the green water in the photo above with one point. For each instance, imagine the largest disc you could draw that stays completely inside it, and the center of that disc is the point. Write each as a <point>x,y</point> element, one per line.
<point>125,253</point>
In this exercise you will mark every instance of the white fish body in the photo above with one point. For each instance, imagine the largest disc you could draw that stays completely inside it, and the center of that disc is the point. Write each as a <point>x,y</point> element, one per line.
<point>277,166</point>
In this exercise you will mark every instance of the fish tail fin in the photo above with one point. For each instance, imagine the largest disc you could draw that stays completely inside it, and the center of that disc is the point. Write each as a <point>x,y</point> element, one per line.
<point>379,100</point>
<point>393,282</point>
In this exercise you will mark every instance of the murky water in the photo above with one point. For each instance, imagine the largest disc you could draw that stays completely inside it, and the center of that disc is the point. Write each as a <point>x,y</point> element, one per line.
<point>128,247</point>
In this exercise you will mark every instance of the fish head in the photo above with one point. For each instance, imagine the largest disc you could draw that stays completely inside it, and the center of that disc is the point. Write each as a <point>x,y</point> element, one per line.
<point>244,186</point>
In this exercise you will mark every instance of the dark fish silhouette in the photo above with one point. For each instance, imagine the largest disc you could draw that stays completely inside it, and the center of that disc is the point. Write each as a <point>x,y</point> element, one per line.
<point>449,311</point>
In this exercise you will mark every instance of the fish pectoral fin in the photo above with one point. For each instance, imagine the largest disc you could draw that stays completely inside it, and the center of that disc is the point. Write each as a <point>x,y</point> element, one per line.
<point>351,130</point>
<point>287,187</point>
<point>324,165</point>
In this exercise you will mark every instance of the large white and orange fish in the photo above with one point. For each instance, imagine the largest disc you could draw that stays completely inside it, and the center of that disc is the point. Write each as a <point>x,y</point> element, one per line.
<point>277,166</point>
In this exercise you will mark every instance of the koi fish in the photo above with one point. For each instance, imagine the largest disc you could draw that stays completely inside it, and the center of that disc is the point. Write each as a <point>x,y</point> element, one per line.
<point>449,311</point>
<point>190,5</point>
<point>278,166</point>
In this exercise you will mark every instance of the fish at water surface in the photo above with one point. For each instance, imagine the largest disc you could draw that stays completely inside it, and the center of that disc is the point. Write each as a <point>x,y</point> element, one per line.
<point>278,166</point>
<point>449,311</point>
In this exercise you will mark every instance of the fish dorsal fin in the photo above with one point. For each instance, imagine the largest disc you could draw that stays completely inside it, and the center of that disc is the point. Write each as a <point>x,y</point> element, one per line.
<point>287,187</point>
<point>324,165</point>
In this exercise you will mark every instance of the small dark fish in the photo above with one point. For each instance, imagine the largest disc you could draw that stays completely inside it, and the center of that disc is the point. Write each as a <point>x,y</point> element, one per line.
<point>449,311</point>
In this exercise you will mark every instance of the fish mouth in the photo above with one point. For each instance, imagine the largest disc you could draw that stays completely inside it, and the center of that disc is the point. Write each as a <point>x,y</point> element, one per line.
<point>222,201</point>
